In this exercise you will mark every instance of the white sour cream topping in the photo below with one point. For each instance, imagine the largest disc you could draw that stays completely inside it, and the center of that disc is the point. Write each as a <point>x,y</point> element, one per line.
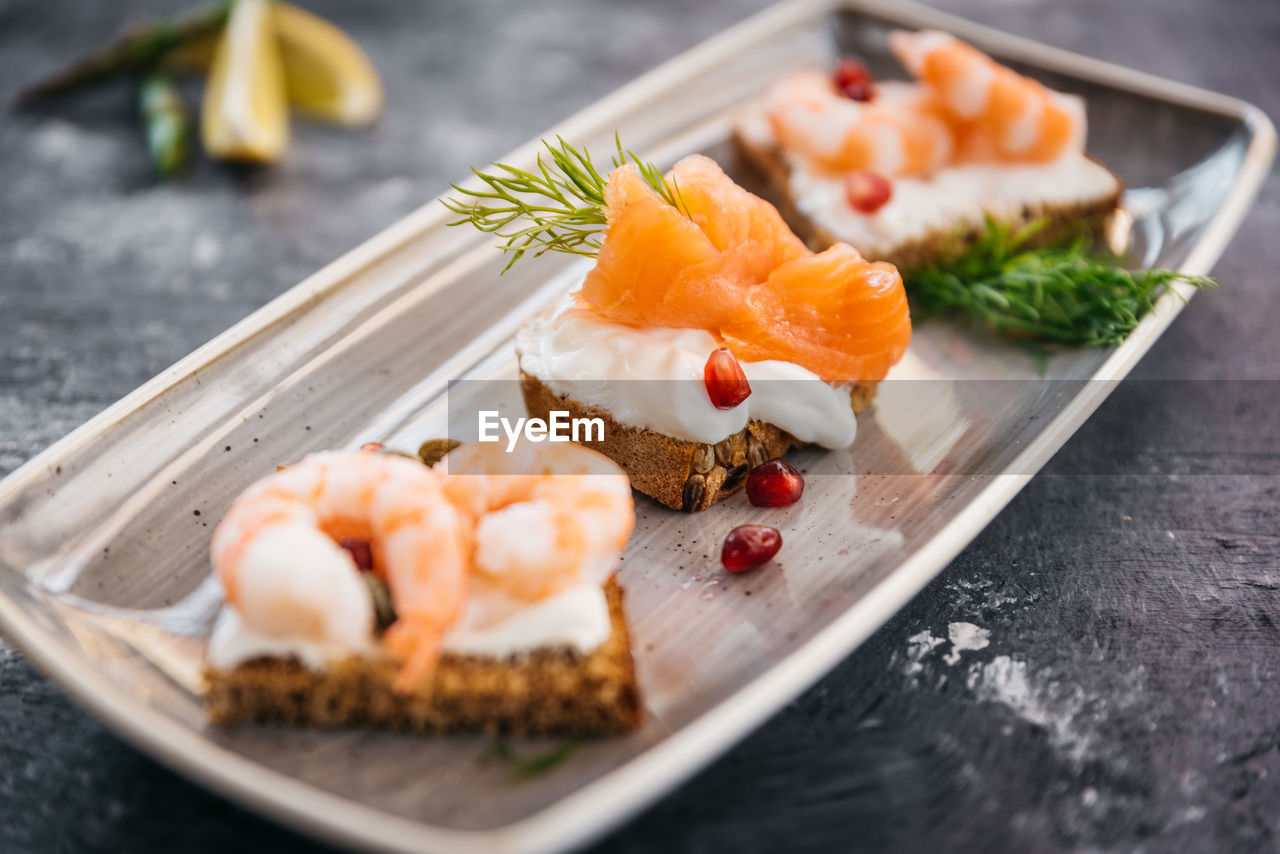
<point>234,641</point>
<point>653,377</point>
<point>491,625</point>
<point>947,199</point>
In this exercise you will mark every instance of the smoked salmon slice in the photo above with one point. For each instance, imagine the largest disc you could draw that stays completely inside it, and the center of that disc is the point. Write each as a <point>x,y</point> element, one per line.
<point>725,261</point>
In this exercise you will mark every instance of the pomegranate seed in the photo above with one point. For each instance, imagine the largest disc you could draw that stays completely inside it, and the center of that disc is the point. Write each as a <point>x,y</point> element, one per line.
<point>361,552</point>
<point>867,191</point>
<point>726,383</point>
<point>775,483</point>
<point>371,447</point>
<point>854,81</point>
<point>749,546</point>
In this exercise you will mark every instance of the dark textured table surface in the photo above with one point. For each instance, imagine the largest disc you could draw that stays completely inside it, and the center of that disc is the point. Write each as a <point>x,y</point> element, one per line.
<point>1128,699</point>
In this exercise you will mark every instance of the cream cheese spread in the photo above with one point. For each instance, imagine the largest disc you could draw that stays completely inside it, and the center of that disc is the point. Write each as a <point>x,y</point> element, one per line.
<point>652,377</point>
<point>491,625</point>
<point>950,198</point>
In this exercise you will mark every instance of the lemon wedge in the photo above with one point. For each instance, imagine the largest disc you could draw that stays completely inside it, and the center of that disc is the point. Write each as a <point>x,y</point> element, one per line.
<point>326,73</point>
<point>244,115</point>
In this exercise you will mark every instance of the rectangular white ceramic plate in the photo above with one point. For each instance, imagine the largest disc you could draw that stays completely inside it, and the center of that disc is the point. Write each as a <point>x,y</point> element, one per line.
<point>103,568</point>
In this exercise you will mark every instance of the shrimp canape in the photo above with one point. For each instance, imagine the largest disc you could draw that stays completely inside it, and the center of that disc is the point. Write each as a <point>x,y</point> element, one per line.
<point>908,170</point>
<point>366,588</point>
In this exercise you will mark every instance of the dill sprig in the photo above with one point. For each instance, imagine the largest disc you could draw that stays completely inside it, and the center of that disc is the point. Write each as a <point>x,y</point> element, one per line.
<point>1064,294</point>
<point>559,207</point>
<point>528,766</point>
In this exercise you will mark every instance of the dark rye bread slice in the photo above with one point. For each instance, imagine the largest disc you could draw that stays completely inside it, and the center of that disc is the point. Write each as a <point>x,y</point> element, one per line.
<point>683,475</point>
<point>547,691</point>
<point>1089,216</point>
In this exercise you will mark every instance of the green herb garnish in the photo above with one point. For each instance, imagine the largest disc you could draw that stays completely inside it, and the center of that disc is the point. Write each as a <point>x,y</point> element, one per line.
<point>167,123</point>
<point>135,50</point>
<point>1065,294</point>
<point>527,767</point>
<point>557,208</point>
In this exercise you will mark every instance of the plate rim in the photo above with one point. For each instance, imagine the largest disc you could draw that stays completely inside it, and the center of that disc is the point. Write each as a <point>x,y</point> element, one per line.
<point>588,812</point>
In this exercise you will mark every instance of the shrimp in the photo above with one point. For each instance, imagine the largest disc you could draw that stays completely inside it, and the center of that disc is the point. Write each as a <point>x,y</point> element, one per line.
<point>901,132</point>
<point>547,516</point>
<point>1018,117</point>
<point>277,555</point>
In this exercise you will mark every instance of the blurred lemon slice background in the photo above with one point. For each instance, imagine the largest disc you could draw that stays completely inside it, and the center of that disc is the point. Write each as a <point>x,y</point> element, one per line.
<point>263,58</point>
<point>244,115</point>
<point>324,75</point>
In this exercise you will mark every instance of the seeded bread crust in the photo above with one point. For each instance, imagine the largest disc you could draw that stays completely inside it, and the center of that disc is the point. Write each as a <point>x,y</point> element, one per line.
<point>548,691</point>
<point>1089,216</point>
<point>683,475</point>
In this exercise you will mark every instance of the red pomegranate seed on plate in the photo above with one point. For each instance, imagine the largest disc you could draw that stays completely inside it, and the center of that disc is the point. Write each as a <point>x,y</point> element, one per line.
<point>867,191</point>
<point>361,552</point>
<point>854,80</point>
<point>749,546</point>
<point>726,383</point>
<point>775,483</point>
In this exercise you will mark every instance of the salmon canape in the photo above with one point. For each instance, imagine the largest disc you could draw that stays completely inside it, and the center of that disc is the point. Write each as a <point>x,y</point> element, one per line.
<point>709,338</point>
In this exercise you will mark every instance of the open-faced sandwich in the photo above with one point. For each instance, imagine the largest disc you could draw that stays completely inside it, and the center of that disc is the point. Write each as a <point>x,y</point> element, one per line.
<point>366,588</point>
<point>907,170</point>
<point>708,337</point>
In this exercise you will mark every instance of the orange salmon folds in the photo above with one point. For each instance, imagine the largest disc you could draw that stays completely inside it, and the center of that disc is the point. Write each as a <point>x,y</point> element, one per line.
<point>729,264</point>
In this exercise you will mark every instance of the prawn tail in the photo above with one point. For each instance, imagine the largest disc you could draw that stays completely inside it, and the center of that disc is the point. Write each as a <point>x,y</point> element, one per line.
<point>416,645</point>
